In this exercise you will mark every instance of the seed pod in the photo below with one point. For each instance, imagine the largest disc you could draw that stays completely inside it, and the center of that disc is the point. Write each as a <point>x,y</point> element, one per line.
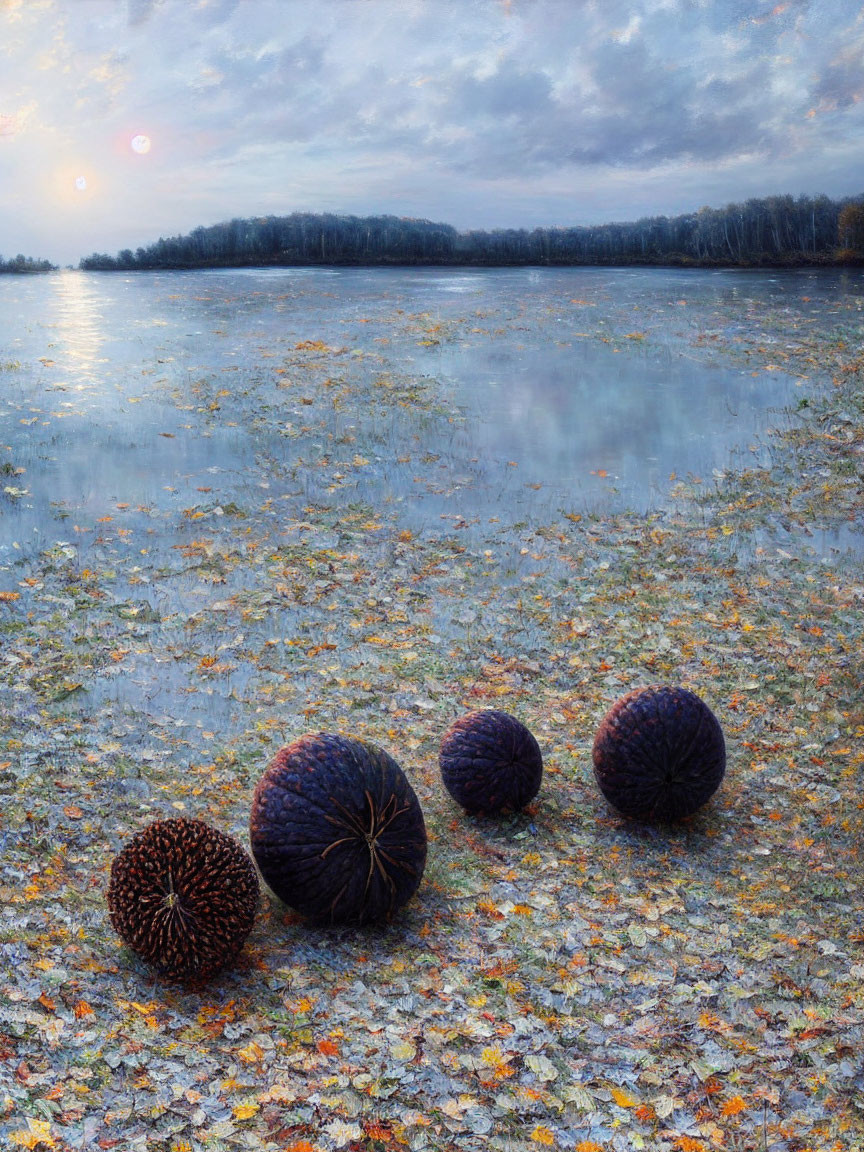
<point>337,831</point>
<point>490,762</point>
<point>183,896</point>
<point>659,754</point>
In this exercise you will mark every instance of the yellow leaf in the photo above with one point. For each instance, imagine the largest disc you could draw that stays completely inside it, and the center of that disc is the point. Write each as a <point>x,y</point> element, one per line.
<point>38,1133</point>
<point>403,1050</point>
<point>623,1099</point>
<point>494,1057</point>
<point>244,1111</point>
<point>542,1135</point>
<point>144,1009</point>
<point>251,1054</point>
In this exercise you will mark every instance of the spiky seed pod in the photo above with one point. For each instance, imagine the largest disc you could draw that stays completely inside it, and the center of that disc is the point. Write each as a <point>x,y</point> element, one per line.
<point>183,896</point>
<point>490,762</point>
<point>659,754</point>
<point>337,830</point>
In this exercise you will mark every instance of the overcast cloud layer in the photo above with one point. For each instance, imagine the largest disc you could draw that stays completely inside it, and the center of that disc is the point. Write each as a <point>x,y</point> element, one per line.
<point>481,114</point>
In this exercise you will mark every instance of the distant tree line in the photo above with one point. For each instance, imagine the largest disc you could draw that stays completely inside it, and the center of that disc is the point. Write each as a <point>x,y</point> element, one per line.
<point>775,231</point>
<point>21,263</point>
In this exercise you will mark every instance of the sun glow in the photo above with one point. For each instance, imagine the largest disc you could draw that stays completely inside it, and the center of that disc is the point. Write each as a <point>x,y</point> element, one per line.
<point>72,187</point>
<point>140,144</point>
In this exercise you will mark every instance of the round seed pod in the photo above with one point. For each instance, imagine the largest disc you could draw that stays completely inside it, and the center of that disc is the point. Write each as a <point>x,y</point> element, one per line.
<point>659,754</point>
<point>490,762</point>
<point>337,831</point>
<point>183,896</point>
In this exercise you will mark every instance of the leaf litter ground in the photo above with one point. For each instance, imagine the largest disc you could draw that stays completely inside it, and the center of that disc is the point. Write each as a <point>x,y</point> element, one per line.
<point>564,978</point>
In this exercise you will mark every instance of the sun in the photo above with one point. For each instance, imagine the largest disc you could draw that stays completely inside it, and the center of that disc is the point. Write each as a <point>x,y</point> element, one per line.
<point>74,185</point>
<point>140,144</point>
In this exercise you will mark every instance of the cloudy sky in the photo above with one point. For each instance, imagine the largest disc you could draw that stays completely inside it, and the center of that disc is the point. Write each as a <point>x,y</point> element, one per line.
<point>124,120</point>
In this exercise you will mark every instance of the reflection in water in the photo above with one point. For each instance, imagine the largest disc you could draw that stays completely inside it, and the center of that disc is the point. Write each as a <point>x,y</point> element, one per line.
<point>160,424</point>
<point>586,417</point>
<point>546,378</point>
<point>78,327</point>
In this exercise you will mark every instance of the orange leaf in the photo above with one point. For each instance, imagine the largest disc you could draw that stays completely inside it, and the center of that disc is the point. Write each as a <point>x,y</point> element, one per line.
<point>376,1131</point>
<point>82,1008</point>
<point>733,1106</point>
<point>328,1048</point>
<point>688,1144</point>
<point>251,1054</point>
<point>589,1146</point>
<point>8,597</point>
<point>623,1099</point>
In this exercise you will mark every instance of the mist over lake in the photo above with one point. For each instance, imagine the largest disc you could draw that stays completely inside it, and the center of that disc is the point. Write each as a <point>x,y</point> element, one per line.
<point>596,386</point>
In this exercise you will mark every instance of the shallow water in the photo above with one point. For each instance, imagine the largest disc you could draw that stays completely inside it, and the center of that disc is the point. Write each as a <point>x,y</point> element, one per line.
<point>549,378</point>
<point>153,424</point>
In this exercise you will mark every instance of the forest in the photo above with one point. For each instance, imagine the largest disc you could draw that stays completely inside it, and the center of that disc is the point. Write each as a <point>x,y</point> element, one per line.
<point>775,231</point>
<point>21,263</point>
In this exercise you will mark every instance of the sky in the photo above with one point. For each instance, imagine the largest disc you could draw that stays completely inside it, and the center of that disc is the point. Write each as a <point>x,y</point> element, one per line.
<point>125,120</point>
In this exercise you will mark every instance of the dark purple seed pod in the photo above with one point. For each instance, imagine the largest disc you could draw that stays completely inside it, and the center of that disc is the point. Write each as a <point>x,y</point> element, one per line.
<point>337,831</point>
<point>490,762</point>
<point>659,754</point>
<point>183,896</point>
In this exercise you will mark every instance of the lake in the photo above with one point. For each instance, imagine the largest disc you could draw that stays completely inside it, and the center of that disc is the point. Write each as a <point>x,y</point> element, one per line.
<point>160,431</point>
<point>580,388</point>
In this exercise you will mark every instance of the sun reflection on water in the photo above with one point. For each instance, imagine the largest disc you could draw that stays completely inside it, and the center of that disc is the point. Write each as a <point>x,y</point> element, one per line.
<point>79,329</point>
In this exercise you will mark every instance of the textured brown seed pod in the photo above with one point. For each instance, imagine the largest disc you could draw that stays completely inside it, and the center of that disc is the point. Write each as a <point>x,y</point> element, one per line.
<point>183,896</point>
<point>337,831</point>
<point>659,754</point>
<point>490,762</point>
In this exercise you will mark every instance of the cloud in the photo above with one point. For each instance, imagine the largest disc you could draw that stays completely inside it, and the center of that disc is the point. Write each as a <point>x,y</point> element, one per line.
<point>841,84</point>
<point>254,106</point>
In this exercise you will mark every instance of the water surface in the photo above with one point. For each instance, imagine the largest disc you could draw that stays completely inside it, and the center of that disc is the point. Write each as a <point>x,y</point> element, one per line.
<point>145,388</point>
